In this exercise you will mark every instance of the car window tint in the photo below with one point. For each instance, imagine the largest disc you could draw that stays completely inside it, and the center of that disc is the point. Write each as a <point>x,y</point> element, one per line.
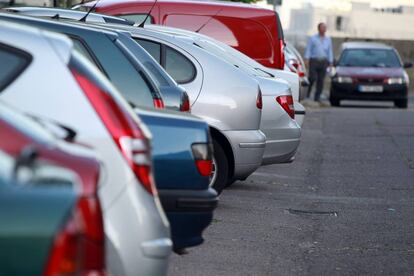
<point>127,78</point>
<point>154,49</point>
<point>369,58</point>
<point>16,62</point>
<point>82,49</point>
<point>178,66</point>
<point>137,18</point>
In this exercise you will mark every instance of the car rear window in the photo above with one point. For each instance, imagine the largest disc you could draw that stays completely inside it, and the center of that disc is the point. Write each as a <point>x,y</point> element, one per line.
<point>16,61</point>
<point>369,58</point>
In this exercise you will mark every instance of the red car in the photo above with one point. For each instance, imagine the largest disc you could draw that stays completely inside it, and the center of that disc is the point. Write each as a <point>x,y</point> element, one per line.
<point>80,248</point>
<point>255,31</point>
<point>370,71</point>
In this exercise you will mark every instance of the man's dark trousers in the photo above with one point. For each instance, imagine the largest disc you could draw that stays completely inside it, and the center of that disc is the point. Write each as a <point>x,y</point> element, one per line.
<point>317,72</point>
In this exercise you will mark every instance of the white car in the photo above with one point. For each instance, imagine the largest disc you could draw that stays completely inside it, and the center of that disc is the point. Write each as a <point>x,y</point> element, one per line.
<point>278,124</point>
<point>47,78</point>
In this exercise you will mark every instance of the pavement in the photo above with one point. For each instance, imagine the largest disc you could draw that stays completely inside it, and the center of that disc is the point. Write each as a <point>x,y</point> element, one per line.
<point>345,206</point>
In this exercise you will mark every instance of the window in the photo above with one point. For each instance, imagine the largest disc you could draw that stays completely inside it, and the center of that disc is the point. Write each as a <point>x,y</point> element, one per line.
<point>130,80</point>
<point>154,49</point>
<point>12,64</point>
<point>80,47</point>
<point>369,58</point>
<point>178,66</point>
<point>137,18</point>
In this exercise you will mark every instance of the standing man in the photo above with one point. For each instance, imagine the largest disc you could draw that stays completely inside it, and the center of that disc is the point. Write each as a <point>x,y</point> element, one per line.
<point>318,57</point>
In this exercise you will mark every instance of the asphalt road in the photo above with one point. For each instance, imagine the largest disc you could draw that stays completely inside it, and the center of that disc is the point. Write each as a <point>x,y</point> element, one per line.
<point>344,207</point>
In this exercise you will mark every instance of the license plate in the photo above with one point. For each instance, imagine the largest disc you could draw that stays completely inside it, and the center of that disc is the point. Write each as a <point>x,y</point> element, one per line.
<point>371,88</point>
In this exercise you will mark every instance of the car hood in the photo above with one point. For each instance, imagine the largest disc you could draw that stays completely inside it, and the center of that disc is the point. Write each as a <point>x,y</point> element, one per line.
<point>369,72</point>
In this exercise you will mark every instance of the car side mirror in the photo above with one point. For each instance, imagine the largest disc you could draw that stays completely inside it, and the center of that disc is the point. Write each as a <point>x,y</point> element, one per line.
<point>408,65</point>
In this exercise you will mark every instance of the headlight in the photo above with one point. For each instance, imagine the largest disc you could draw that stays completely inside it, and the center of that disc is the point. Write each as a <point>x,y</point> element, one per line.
<point>396,81</point>
<point>343,79</point>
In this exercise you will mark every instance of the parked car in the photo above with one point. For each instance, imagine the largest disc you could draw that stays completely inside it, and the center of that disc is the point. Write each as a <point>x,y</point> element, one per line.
<point>295,63</point>
<point>41,229</point>
<point>232,107</point>
<point>81,98</point>
<point>201,200</point>
<point>182,153</point>
<point>255,31</point>
<point>35,149</point>
<point>369,71</point>
<point>277,123</point>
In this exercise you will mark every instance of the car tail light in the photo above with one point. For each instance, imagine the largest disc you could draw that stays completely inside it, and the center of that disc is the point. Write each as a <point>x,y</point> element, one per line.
<point>159,103</point>
<point>295,66</point>
<point>125,131</point>
<point>185,103</point>
<point>202,153</point>
<point>259,100</point>
<point>79,248</point>
<point>286,102</point>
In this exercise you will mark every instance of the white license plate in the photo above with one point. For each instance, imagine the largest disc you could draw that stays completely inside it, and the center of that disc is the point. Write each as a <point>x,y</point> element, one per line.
<point>371,88</point>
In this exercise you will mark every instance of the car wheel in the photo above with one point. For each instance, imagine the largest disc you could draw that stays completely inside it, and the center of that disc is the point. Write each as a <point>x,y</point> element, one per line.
<point>334,101</point>
<point>220,172</point>
<point>401,103</point>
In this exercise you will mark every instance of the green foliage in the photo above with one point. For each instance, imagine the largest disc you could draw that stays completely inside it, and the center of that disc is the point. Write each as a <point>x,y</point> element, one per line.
<point>243,1</point>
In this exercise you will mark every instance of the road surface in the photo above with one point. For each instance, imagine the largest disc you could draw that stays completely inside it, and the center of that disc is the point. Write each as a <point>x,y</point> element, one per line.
<point>344,207</point>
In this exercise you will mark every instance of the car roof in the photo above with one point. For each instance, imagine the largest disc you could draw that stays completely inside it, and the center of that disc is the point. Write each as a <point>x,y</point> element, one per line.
<point>365,45</point>
<point>50,12</point>
<point>65,24</point>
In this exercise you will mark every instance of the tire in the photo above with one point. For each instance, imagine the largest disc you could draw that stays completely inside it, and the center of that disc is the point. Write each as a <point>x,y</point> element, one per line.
<point>334,101</point>
<point>221,168</point>
<point>401,103</point>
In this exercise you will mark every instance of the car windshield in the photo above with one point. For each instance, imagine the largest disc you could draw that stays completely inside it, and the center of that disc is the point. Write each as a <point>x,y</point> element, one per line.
<point>369,58</point>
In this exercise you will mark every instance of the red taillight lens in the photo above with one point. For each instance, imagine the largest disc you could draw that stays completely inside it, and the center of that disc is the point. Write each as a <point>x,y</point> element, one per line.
<point>79,249</point>
<point>259,100</point>
<point>295,66</point>
<point>185,103</point>
<point>286,102</point>
<point>125,131</point>
<point>204,167</point>
<point>159,103</point>
<point>202,153</point>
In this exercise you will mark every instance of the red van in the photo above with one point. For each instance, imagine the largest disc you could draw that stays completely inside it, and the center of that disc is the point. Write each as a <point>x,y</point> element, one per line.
<point>255,31</point>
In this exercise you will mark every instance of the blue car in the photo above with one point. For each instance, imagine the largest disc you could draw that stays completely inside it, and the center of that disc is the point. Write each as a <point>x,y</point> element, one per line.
<point>182,156</point>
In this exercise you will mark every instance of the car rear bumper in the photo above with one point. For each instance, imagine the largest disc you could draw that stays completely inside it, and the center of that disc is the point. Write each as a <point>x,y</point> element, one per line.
<point>351,92</point>
<point>248,148</point>
<point>189,213</point>
<point>280,151</point>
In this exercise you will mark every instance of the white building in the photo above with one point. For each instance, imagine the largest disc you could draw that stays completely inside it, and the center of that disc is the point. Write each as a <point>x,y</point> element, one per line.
<point>376,19</point>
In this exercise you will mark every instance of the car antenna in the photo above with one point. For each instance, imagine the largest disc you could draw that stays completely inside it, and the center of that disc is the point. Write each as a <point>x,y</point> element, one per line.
<point>83,19</point>
<point>141,25</point>
<point>205,23</point>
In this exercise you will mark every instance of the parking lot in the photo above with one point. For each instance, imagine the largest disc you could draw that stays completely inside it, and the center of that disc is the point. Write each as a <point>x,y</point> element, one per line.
<point>344,207</point>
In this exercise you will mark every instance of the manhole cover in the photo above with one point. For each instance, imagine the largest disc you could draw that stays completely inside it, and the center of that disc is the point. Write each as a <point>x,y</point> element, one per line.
<point>312,212</point>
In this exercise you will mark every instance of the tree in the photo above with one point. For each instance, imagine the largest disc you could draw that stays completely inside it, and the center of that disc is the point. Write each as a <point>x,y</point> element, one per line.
<point>244,1</point>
